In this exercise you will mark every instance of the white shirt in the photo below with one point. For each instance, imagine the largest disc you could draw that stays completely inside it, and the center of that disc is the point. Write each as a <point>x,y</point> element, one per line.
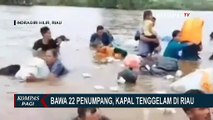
<point>36,66</point>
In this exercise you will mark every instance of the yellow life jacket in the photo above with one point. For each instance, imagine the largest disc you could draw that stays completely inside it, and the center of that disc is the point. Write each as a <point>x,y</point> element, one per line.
<point>192,31</point>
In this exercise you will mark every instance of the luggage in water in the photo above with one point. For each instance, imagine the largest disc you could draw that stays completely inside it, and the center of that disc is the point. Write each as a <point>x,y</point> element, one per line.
<point>165,65</point>
<point>192,31</point>
<point>128,75</point>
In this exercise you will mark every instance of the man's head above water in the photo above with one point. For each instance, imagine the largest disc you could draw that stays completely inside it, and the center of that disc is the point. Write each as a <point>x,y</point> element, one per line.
<point>45,32</point>
<point>90,114</point>
<point>51,56</point>
<point>197,113</point>
<point>176,34</point>
<point>100,30</point>
<point>85,112</point>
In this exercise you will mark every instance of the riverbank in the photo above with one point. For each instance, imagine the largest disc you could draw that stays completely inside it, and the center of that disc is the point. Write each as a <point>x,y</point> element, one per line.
<point>143,4</point>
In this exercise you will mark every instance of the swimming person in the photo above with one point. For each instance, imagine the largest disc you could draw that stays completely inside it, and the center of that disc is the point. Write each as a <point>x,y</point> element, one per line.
<point>38,69</point>
<point>174,47</point>
<point>101,37</point>
<point>57,69</point>
<point>35,66</point>
<point>148,28</point>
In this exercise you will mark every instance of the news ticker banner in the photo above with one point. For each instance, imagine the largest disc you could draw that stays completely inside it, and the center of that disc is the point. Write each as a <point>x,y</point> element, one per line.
<point>112,100</point>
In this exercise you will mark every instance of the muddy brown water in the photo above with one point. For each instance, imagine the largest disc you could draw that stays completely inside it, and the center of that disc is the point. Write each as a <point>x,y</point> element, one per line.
<point>78,24</point>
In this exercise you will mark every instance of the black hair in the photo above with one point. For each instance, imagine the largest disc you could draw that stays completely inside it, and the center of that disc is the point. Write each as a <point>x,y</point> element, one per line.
<point>211,35</point>
<point>146,13</point>
<point>124,54</point>
<point>175,33</point>
<point>82,111</point>
<point>192,91</point>
<point>154,18</point>
<point>44,30</point>
<point>54,52</point>
<point>100,27</point>
<point>121,51</point>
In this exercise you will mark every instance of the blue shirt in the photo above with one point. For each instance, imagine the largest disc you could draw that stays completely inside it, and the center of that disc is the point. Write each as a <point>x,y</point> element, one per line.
<point>58,69</point>
<point>106,39</point>
<point>173,48</point>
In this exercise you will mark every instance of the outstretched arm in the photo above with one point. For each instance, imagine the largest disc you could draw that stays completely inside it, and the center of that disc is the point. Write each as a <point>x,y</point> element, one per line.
<point>32,78</point>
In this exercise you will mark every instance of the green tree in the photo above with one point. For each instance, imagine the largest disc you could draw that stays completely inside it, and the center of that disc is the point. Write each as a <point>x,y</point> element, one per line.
<point>5,1</point>
<point>93,3</point>
<point>140,4</point>
<point>108,3</point>
<point>125,4</point>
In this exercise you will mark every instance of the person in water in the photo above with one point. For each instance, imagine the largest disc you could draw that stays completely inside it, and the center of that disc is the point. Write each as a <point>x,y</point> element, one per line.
<point>57,69</point>
<point>191,53</point>
<point>46,42</point>
<point>144,44</point>
<point>197,113</point>
<point>148,28</point>
<point>90,114</point>
<point>174,47</point>
<point>101,37</point>
<point>50,68</point>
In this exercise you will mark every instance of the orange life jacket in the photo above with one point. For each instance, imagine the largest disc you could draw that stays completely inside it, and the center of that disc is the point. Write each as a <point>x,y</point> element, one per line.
<point>192,31</point>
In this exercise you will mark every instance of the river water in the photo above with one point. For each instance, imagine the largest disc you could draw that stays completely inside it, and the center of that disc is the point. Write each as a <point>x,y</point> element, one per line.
<point>78,24</point>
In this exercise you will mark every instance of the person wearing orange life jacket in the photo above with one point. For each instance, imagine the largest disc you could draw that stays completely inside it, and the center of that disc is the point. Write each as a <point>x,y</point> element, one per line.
<point>192,32</point>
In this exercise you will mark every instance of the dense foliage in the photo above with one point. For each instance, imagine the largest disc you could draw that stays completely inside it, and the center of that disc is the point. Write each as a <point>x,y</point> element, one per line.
<point>129,4</point>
